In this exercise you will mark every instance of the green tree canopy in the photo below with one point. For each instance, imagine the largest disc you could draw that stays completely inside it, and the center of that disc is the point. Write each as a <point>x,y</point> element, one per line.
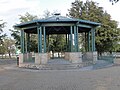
<point>16,33</point>
<point>57,42</point>
<point>27,17</point>
<point>2,25</point>
<point>8,44</point>
<point>107,36</point>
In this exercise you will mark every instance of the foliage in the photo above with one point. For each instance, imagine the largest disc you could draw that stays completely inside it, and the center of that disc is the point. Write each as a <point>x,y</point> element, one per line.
<point>16,33</point>
<point>34,43</point>
<point>27,17</point>
<point>107,34</point>
<point>47,14</point>
<point>8,45</point>
<point>2,49</point>
<point>2,25</point>
<point>33,38</point>
<point>57,43</point>
<point>113,1</point>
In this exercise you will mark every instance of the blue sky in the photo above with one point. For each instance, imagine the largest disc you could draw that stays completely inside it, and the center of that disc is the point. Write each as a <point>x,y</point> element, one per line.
<point>11,9</point>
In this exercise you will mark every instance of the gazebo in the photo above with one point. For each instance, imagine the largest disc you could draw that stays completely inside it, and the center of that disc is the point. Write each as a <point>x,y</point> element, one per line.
<point>58,24</point>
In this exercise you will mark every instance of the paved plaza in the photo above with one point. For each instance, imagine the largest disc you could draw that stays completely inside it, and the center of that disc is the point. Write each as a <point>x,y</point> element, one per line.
<point>14,78</point>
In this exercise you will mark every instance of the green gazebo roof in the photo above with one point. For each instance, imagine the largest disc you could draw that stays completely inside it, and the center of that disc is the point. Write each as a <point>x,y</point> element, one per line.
<point>57,19</point>
<point>57,24</point>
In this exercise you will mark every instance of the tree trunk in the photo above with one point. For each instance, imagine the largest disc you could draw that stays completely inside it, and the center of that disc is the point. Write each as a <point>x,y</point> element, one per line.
<point>58,55</point>
<point>9,54</point>
<point>53,54</point>
<point>5,55</point>
<point>2,55</point>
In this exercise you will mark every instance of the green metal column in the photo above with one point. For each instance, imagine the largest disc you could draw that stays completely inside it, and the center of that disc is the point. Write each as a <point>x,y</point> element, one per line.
<point>68,46</point>
<point>75,38</point>
<point>66,42</point>
<point>85,41</point>
<point>89,41</point>
<point>71,39</point>
<point>39,31</point>
<point>40,39</point>
<point>22,41</point>
<point>66,39</point>
<point>44,39</point>
<point>48,44</point>
<point>93,39</point>
<point>28,42</point>
<point>94,49</point>
<point>25,42</point>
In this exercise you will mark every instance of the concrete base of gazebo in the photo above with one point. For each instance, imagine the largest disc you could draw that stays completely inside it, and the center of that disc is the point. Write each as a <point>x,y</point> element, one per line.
<point>41,58</point>
<point>76,57</point>
<point>24,57</point>
<point>90,56</point>
<point>73,57</point>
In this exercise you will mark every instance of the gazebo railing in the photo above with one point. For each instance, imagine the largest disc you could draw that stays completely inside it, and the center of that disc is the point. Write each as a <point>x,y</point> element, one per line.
<point>108,58</point>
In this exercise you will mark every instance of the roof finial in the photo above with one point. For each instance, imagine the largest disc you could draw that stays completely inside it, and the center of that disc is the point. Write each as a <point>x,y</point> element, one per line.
<point>57,14</point>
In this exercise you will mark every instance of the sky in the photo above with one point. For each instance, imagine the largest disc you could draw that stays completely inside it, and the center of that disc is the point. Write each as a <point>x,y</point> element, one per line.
<point>11,9</point>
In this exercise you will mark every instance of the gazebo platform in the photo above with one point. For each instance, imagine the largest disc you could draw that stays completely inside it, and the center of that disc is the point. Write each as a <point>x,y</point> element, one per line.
<point>56,64</point>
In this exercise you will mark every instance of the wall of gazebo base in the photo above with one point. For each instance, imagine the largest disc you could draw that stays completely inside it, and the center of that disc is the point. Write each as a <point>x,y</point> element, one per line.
<point>21,59</point>
<point>73,57</point>
<point>41,58</point>
<point>48,55</point>
<point>76,57</point>
<point>24,58</point>
<point>90,56</point>
<point>117,60</point>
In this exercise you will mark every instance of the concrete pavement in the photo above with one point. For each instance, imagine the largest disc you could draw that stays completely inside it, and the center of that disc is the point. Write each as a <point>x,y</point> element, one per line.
<point>14,78</point>
<point>24,79</point>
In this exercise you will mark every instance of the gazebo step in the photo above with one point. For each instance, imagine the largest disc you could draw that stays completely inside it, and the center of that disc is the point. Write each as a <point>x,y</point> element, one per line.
<point>52,66</point>
<point>56,66</point>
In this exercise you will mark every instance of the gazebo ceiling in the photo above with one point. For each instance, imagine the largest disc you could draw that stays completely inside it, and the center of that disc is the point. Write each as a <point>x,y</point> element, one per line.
<point>57,30</point>
<point>57,25</point>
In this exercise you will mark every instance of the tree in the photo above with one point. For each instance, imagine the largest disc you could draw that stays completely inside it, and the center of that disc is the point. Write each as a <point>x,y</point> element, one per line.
<point>16,33</point>
<point>2,50</point>
<point>107,34</point>
<point>33,41</point>
<point>57,43</point>
<point>27,17</point>
<point>47,14</point>
<point>2,25</point>
<point>113,1</point>
<point>9,46</point>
